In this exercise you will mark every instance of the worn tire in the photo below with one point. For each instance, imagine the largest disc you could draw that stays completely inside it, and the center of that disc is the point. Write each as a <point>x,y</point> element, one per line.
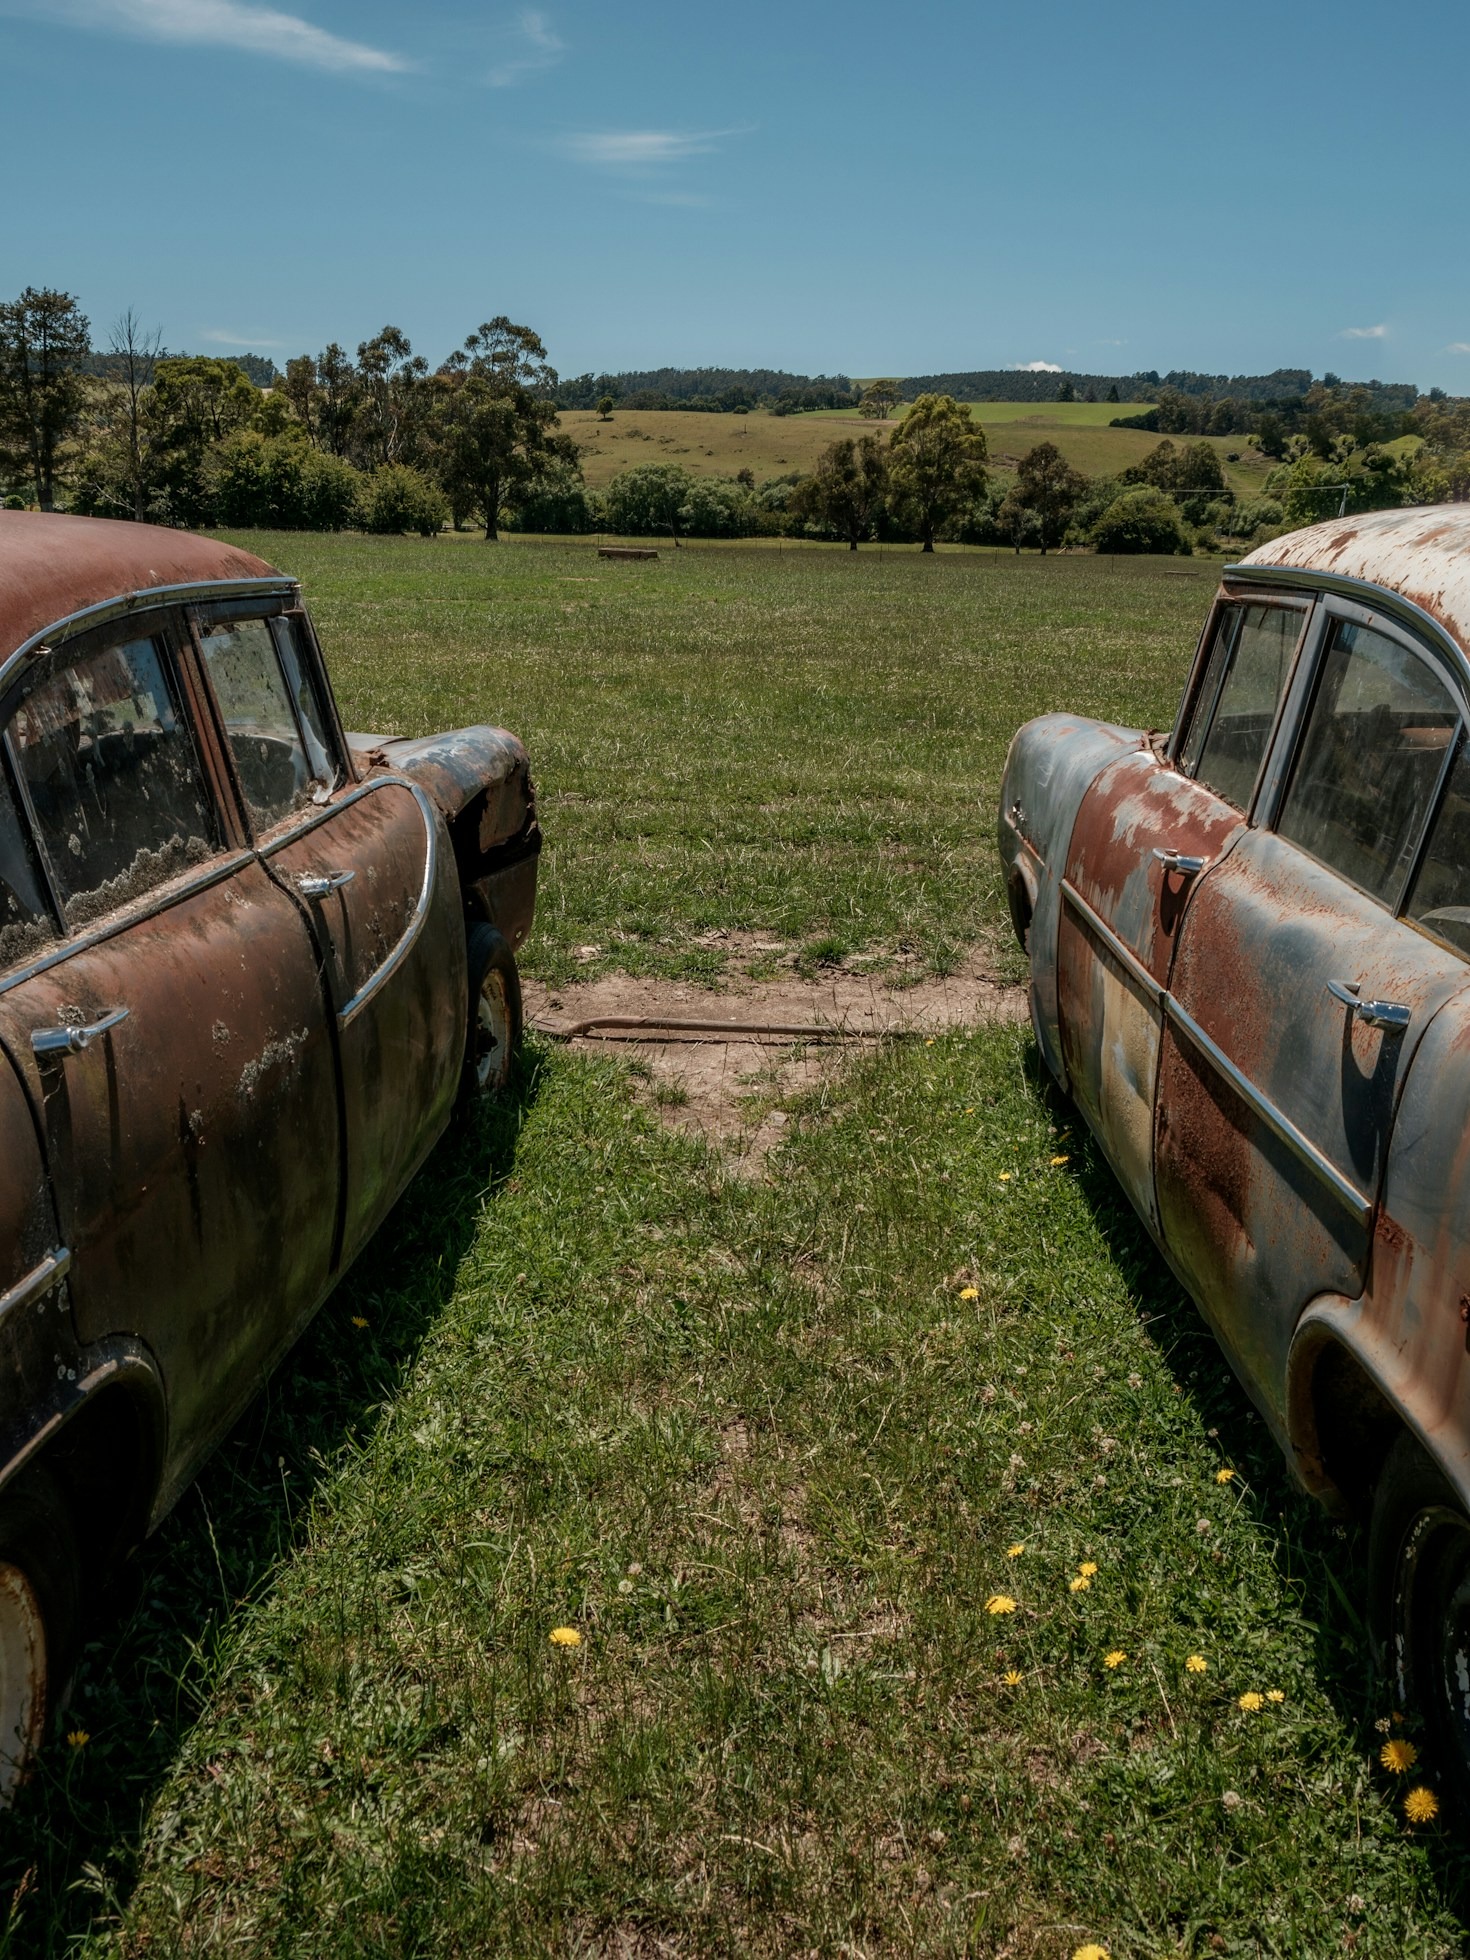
<point>40,1607</point>
<point>1419,1578</point>
<point>495,1016</point>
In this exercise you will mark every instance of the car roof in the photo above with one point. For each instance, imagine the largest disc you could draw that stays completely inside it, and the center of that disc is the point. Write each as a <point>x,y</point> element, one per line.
<point>1423,554</point>
<point>52,566</point>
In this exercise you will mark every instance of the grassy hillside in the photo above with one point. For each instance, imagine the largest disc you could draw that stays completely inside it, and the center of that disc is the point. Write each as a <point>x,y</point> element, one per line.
<point>771,445</point>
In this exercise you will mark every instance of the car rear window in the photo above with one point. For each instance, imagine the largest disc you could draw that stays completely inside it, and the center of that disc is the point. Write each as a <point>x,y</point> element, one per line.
<point>1236,707</point>
<point>1370,760</point>
<point>275,772</point>
<point>1440,900</point>
<point>25,917</point>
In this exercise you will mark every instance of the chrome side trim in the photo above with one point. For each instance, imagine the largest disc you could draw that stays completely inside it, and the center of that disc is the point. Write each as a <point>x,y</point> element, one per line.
<point>349,1012</point>
<point>1300,1146</point>
<point>52,1270</point>
<point>1130,963</point>
<point>142,601</point>
<point>124,921</point>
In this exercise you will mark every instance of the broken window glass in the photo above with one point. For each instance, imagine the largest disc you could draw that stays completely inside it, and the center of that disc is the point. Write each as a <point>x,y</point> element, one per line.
<point>275,772</point>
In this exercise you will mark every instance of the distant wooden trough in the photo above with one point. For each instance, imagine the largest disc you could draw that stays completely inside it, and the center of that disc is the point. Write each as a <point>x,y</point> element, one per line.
<point>625,551</point>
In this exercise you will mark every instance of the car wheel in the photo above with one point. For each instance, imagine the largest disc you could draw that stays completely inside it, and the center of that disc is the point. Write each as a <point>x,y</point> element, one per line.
<point>1419,1572</point>
<point>39,1599</point>
<point>495,1014</point>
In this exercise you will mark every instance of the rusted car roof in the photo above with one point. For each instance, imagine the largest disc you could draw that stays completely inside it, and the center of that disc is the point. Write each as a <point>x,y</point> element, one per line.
<point>1423,554</point>
<point>52,566</point>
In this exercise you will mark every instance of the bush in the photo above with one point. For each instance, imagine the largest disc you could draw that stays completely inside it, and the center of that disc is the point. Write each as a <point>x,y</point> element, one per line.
<point>559,502</point>
<point>717,507</point>
<point>647,499</point>
<point>1141,520</point>
<point>397,499</point>
<point>282,482</point>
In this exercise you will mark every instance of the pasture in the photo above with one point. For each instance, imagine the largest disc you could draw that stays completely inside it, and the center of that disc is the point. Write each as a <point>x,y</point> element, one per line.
<point>884,1493</point>
<point>774,445</point>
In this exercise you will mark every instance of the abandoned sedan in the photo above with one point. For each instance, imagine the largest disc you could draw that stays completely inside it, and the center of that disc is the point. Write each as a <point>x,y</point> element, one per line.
<point>249,967</point>
<point>1250,968</point>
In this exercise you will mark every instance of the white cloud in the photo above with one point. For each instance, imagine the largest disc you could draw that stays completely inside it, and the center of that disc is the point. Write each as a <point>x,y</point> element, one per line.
<point>1364,333</point>
<point>535,47</point>
<point>1037,367</point>
<point>1458,347</point>
<point>217,337</point>
<point>642,149</point>
<point>220,24</point>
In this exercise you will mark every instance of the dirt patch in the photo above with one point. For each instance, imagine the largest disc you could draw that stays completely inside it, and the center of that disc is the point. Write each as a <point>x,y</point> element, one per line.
<point>728,1088</point>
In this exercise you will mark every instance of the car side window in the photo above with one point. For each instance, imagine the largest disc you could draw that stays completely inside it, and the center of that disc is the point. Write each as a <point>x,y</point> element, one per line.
<point>26,926</point>
<point>295,658</point>
<point>276,773</point>
<point>1440,900</point>
<point>1238,698</point>
<point>110,767</point>
<point>1370,759</point>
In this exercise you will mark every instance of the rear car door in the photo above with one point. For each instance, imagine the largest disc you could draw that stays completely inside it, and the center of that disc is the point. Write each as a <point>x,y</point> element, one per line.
<point>1300,993</point>
<point>371,866</point>
<point>1150,824</point>
<point>170,1029</point>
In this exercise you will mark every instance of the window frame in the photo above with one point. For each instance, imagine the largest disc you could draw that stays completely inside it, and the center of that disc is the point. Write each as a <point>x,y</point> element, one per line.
<point>1230,601</point>
<point>205,613</point>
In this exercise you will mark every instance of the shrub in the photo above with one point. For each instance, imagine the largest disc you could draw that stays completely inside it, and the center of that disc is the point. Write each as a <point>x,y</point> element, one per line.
<point>396,499</point>
<point>281,481</point>
<point>1141,520</point>
<point>559,502</point>
<point>647,499</point>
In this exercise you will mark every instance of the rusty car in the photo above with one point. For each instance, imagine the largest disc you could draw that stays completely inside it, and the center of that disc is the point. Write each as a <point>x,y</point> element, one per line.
<point>250,968</point>
<point>1249,954</point>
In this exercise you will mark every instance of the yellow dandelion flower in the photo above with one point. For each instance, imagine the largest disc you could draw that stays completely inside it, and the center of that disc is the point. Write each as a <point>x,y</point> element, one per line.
<point>1057,1162</point>
<point>1275,1695</point>
<point>358,1321</point>
<point>1014,1551</point>
<point>1421,1805</point>
<point>1088,1567</point>
<point>1250,1701</point>
<point>1226,1476</point>
<point>1398,1755</point>
<point>1114,1659</point>
<point>1004,1178</point>
<point>1080,1584</point>
<point>1000,1603</point>
<point>1013,1677</point>
<point>1197,1664</point>
<point>969,1293</point>
<point>78,1739</point>
<point>565,1637</point>
<point>1092,1951</point>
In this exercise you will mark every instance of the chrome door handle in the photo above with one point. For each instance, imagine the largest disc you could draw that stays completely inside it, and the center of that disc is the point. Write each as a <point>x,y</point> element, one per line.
<point>323,886</point>
<point>1181,861</point>
<point>1372,1013</point>
<point>73,1041</point>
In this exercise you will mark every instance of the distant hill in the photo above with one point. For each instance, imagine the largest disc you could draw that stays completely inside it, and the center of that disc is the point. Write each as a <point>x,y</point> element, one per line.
<point>1042,385</point>
<point>728,389</point>
<point>260,369</point>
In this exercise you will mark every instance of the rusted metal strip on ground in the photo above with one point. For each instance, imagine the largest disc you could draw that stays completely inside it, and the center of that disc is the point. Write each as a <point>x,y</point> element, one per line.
<point>614,1026</point>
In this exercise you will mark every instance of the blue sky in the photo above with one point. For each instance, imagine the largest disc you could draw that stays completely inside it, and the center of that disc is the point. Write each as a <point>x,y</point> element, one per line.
<point>810,186</point>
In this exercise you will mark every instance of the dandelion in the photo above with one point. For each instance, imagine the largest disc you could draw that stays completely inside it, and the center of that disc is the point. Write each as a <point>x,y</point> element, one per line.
<point>1013,1677</point>
<point>1080,1584</point>
<point>1398,1755</point>
<point>77,1739</point>
<point>1114,1659</point>
<point>1225,1476</point>
<point>565,1637</point>
<point>1250,1701</point>
<point>1014,1551</point>
<point>1421,1805</point>
<point>1000,1603</point>
<point>969,1293</point>
<point>1383,1725</point>
<point>1057,1162</point>
<point>1231,1799</point>
<point>1004,1178</point>
<point>1088,1568</point>
<point>1197,1664</point>
<point>1092,1951</point>
<point>358,1321</point>
<point>1275,1696</point>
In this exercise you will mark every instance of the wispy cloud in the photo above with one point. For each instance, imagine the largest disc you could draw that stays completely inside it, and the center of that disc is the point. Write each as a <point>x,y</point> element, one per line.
<point>220,24</point>
<point>1037,367</point>
<point>534,47</point>
<point>1458,347</point>
<point>1364,333</point>
<point>217,337</point>
<point>642,149</point>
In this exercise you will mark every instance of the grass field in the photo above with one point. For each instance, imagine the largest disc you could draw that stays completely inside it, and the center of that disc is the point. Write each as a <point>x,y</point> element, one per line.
<point>772,445</point>
<point>773,1449</point>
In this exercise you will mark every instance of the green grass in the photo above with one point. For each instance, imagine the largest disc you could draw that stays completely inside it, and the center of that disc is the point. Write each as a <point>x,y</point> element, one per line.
<point>803,742</point>
<point>763,1444</point>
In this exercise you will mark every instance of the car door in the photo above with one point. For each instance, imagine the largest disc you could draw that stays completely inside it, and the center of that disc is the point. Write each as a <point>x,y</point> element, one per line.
<point>370,864</point>
<point>1148,826</point>
<point>1299,995</point>
<point>173,1037</point>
